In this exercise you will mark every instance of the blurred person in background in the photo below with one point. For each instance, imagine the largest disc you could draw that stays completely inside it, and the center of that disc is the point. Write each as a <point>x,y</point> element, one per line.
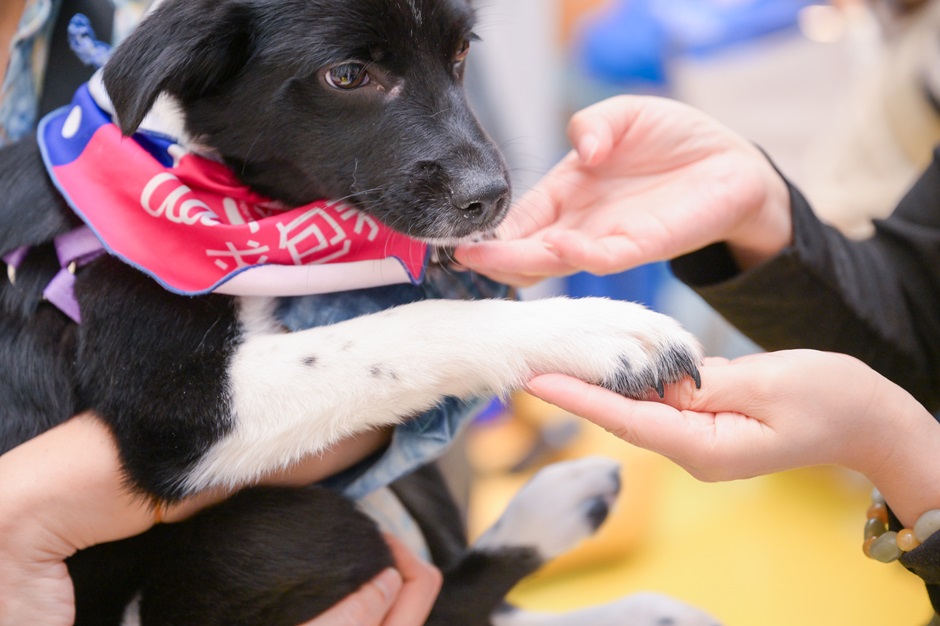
<point>881,134</point>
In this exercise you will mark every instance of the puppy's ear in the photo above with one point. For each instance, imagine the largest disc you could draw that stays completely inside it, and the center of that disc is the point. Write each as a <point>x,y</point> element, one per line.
<point>184,48</point>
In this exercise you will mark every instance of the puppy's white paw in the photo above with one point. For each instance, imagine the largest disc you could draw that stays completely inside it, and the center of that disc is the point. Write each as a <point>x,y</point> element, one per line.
<point>647,609</point>
<point>561,505</point>
<point>641,609</point>
<point>621,345</point>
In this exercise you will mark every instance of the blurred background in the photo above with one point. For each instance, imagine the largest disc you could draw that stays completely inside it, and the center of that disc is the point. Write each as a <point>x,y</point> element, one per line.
<point>841,95</point>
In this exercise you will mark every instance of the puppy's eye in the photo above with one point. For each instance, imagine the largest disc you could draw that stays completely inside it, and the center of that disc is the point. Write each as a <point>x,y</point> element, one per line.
<point>348,76</point>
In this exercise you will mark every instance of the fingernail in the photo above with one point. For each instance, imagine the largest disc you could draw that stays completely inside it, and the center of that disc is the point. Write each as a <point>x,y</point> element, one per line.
<point>388,583</point>
<point>587,148</point>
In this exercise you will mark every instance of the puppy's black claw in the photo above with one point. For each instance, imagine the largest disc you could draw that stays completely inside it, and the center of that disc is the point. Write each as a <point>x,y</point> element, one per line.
<point>697,377</point>
<point>660,389</point>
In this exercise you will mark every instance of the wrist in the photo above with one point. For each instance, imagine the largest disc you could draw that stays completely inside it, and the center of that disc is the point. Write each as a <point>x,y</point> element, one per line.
<point>28,528</point>
<point>69,501</point>
<point>767,229</point>
<point>57,501</point>
<point>902,456</point>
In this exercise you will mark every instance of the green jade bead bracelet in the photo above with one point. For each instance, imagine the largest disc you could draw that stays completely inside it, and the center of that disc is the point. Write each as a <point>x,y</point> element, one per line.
<point>886,545</point>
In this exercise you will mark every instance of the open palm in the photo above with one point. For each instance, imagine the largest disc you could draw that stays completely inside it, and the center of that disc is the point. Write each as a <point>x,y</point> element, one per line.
<point>650,179</point>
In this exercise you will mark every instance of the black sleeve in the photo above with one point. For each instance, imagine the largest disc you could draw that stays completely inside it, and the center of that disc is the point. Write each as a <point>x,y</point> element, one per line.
<point>924,561</point>
<point>877,299</point>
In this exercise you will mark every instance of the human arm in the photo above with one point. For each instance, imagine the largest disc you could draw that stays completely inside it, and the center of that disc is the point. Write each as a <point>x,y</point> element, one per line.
<point>876,299</point>
<point>775,411</point>
<point>653,179</point>
<point>64,490</point>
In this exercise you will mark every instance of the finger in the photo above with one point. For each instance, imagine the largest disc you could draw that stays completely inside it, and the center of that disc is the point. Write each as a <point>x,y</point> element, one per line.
<point>651,425</point>
<point>422,583</point>
<point>523,257</point>
<point>597,255</point>
<point>535,210</point>
<point>541,206</point>
<point>514,280</point>
<point>366,607</point>
<point>595,131</point>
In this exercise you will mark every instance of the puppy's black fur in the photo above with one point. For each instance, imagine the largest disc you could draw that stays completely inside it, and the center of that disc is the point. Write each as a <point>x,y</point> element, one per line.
<point>252,80</point>
<point>250,77</point>
<point>303,99</point>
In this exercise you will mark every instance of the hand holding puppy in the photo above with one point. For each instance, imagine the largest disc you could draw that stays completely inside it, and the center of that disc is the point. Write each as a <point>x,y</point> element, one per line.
<point>45,519</point>
<point>396,597</point>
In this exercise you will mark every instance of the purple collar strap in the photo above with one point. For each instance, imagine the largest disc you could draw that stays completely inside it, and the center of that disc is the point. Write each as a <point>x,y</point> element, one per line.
<point>74,249</point>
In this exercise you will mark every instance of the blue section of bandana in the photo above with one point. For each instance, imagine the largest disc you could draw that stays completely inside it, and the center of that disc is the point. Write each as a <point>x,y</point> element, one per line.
<point>61,148</point>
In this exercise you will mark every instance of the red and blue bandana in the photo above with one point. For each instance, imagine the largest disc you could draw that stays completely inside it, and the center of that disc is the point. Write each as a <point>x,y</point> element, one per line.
<point>190,224</point>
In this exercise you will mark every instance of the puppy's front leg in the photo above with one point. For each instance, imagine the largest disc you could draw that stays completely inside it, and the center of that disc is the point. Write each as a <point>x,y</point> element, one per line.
<point>295,394</point>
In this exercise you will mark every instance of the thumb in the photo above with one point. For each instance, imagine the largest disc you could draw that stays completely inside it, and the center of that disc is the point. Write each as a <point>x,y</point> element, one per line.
<point>595,131</point>
<point>366,607</point>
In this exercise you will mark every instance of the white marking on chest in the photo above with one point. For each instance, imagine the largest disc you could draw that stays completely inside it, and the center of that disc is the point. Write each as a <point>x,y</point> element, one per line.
<point>256,314</point>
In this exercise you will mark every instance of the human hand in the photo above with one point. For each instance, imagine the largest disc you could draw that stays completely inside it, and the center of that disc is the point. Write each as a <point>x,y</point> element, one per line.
<point>61,492</point>
<point>650,179</point>
<point>769,412</point>
<point>402,596</point>
<point>396,597</point>
<point>64,491</point>
<point>35,587</point>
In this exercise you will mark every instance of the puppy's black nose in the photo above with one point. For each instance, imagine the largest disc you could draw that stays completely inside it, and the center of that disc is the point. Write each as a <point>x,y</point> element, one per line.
<point>481,199</point>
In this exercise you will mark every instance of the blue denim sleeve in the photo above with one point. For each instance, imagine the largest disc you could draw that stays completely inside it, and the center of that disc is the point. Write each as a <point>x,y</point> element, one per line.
<point>19,91</point>
<point>426,437</point>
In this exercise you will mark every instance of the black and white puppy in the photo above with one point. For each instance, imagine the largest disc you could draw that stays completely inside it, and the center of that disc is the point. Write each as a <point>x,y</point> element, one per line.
<point>302,99</point>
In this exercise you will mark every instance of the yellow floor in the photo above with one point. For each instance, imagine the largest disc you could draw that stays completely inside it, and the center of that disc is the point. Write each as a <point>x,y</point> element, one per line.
<point>782,550</point>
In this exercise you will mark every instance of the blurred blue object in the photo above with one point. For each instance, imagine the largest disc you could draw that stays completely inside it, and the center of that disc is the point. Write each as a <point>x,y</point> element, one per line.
<point>631,41</point>
<point>492,412</point>
<point>627,47</point>
<point>625,43</point>
<point>642,284</point>
<point>702,26</point>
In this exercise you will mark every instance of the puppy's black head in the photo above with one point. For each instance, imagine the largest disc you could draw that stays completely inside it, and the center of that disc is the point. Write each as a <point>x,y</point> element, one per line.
<point>310,99</point>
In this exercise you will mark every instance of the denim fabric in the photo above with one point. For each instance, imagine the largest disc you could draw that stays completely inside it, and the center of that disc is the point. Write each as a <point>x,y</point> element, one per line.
<point>424,438</point>
<point>19,93</point>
